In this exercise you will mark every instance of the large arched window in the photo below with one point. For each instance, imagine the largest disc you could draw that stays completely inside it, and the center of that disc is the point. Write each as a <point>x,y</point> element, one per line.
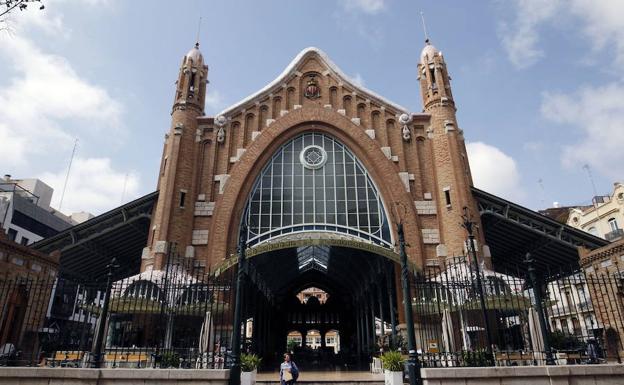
<point>314,183</point>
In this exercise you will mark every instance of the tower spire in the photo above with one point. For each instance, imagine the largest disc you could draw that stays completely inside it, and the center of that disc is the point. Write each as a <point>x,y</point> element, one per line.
<point>198,31</point>
<point>422,18</point>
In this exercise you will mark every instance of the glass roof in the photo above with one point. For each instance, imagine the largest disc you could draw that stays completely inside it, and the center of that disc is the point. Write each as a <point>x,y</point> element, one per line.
<point>315,183</point>
<point>313,257</point>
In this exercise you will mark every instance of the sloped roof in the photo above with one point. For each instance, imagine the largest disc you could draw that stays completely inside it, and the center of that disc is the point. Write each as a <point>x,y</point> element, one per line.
<point>292,67</point>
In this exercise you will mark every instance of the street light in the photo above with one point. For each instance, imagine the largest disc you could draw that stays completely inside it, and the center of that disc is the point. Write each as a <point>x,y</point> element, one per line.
<point>413,366</point>
<point>469,224</point>
<point>539,307</point>
<point>97,351</point>
<point>235,369</point>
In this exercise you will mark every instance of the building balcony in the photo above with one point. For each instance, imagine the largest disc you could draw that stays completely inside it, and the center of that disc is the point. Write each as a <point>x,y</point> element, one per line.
<point>614,235</point>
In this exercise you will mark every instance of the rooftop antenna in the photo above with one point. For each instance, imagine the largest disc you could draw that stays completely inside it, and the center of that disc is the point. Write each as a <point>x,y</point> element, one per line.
<point>591,180</point>
<point>123,192</point>
<point>422,18</point>
<point>67,176</point>
<point>540,182</point>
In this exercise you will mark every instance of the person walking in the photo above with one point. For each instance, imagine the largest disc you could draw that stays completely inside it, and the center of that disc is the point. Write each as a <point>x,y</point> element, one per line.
<point>288,371</point>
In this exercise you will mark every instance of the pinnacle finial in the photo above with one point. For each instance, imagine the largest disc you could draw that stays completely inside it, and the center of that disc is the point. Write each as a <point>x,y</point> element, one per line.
<point>198,30</point>
<point>422,18</point>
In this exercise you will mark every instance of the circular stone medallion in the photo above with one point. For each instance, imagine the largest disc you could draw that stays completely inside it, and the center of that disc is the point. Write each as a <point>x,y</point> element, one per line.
<point>313,157</point>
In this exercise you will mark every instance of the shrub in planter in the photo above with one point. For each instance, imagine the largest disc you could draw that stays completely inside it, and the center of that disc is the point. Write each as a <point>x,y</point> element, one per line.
<point>393,362</point>
<point>249,366</point>
<point>170,360</point>
<point>249,362</point>
<point>475,358</point>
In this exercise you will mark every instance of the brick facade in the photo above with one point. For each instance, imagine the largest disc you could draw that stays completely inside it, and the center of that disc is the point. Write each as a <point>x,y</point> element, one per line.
<point>26,280</point>
<point>603,268</point>
<point>417,160</point>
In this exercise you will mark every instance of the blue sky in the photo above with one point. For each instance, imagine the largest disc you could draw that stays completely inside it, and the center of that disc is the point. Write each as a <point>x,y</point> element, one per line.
<point>538,84</point>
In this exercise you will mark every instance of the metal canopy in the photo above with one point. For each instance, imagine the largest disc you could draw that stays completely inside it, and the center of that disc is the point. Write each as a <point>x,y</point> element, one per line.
<point>512,230</point>
<point>348,274</point>
<point>87,248</point>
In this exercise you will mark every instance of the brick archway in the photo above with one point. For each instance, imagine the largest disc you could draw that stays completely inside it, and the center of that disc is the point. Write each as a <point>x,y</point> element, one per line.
<point>227,216</point>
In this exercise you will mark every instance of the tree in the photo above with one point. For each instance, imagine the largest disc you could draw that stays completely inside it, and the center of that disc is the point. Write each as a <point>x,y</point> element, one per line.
<point>7,6</point>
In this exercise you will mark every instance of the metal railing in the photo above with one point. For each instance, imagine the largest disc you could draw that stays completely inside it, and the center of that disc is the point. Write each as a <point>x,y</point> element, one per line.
<point>182,316</point>
<point>584,326</point>
<point>615,234</point>
<point>176,317</point>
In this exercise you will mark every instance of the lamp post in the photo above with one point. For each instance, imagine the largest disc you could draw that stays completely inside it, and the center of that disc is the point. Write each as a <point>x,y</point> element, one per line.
<point>97,350</point>
<point>537,293</point>
<point>235,369</point>
<point>413,366</point>
<point>468,224</point>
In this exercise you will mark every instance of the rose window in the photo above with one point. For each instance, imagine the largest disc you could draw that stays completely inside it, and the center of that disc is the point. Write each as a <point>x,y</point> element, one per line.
<point>313,157</point>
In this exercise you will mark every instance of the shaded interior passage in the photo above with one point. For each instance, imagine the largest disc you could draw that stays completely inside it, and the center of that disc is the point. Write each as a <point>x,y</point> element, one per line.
<point>342,330</point>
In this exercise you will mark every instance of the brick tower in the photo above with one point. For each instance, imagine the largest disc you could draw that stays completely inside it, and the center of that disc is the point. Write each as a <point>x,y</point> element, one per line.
<point>452,177</point>
<point>173,217</point>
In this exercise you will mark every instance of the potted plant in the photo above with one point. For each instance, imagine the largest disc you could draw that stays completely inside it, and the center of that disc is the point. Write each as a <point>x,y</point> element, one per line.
<point>170,360</point>
<point>249,368</point>
<point>392,363</point>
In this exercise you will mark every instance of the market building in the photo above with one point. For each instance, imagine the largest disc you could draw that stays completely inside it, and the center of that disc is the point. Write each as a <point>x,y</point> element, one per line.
<point>315,180</point>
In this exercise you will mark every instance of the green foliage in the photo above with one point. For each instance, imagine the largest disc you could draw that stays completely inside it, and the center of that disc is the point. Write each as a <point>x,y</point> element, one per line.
<point>170,360</point>
<point>479,357</point>
<point>392,361</point>
<point>249,362</point>
<point>292,345</point>
<point>564,341</point>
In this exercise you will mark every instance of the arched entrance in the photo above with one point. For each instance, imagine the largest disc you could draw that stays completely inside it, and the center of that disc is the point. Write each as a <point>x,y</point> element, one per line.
<point>315,218</point>
<point>340,332</point>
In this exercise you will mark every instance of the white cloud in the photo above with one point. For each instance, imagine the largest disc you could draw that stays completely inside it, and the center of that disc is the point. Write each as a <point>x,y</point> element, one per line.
<point>367,6</point>
<point>44,93</point>
<point>93,186</point>
<point>521,37</point>
<point>600,22</point>
<point>494,171</point>
<point>597,113</point>
<point>45,103</point>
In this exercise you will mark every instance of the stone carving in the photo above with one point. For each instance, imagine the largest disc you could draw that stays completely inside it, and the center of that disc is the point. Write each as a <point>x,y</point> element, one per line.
<point>220,121</point>
<point>404,119</point>
<point>312,90</point>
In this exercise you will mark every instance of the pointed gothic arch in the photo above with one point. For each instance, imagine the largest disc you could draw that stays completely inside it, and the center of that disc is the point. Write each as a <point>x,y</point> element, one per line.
<point>224,232</point>
<point>313,182</point>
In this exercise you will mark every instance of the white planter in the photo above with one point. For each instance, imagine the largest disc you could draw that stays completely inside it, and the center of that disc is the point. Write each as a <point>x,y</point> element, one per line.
<point>393,378</point>
<point>248,378</point>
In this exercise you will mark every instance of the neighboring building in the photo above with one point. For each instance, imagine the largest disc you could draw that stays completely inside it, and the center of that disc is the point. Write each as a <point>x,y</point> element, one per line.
<point>26,283</point>
<point>572,311</point>
<point>25,213</point>
<point>604,218</point>
<point>606,282</point>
